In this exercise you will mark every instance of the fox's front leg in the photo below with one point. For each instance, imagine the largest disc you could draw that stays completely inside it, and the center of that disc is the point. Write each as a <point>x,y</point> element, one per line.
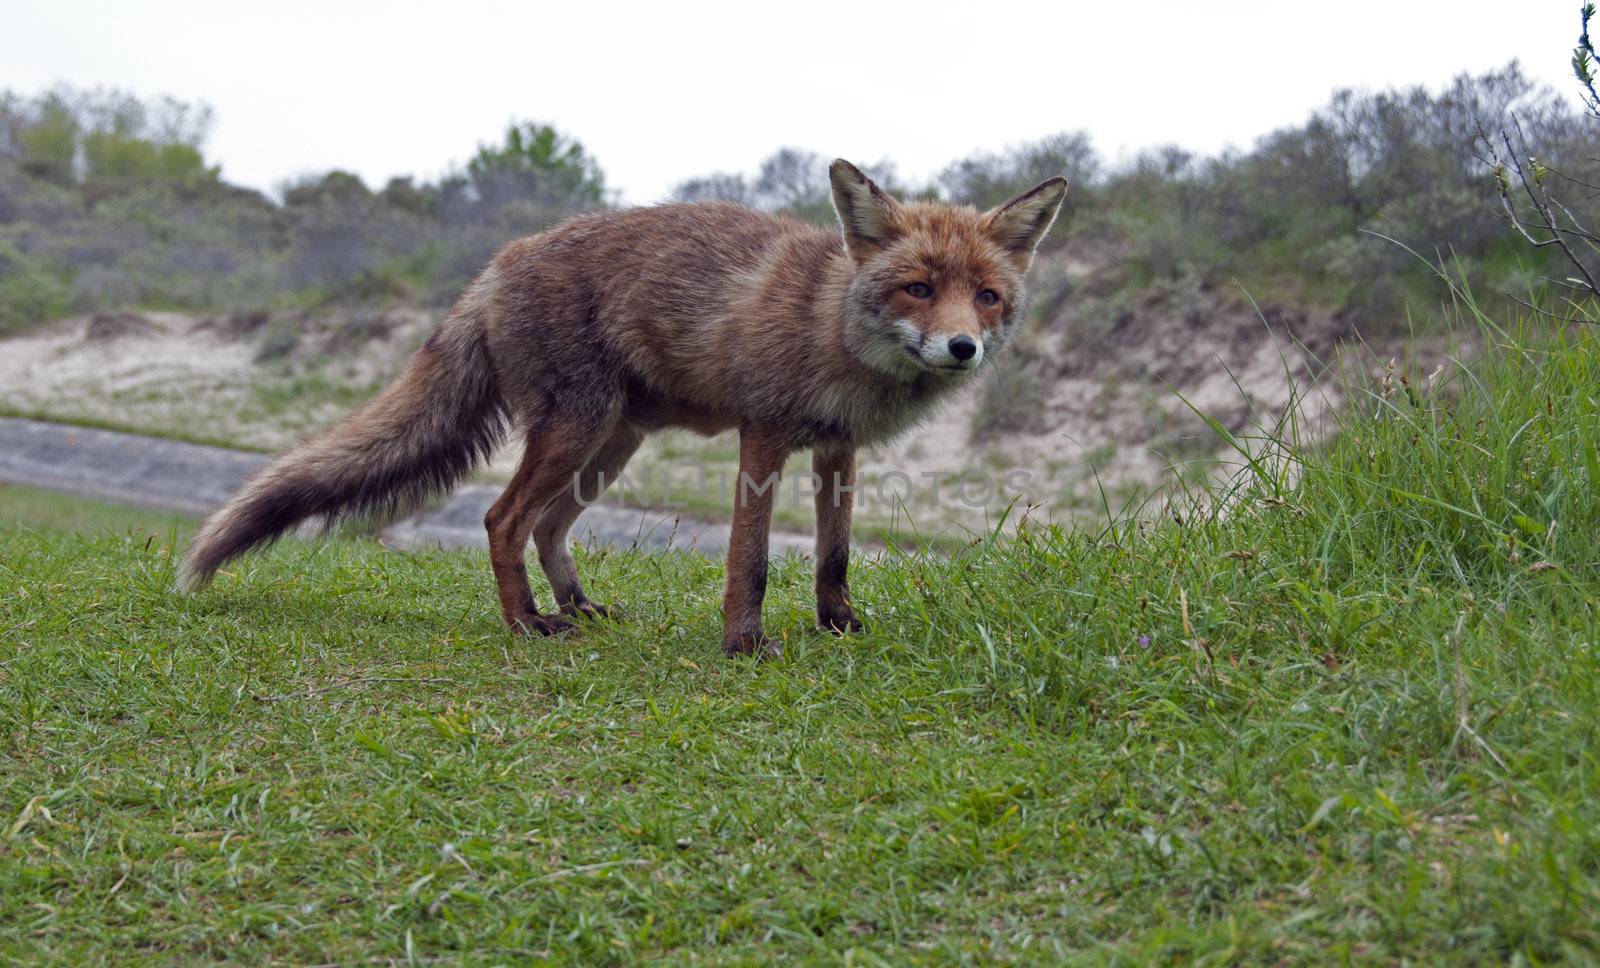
<point>836,473</point>
<point>761,454</point>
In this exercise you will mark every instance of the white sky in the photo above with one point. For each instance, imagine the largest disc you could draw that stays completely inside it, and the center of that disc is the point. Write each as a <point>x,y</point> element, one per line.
<point>662,91</point>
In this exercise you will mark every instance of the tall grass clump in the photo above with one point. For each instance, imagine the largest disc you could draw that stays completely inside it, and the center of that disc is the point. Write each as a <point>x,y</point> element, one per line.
<point>1434,498</point>
<point>1481,472</point>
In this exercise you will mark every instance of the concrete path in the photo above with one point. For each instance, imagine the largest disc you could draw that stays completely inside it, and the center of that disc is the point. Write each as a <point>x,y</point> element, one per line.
<point>192,478</point>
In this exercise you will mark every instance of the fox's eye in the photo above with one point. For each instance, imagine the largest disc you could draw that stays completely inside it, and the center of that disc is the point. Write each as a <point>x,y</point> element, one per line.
<point>988,298</point>
<point>919,290</point>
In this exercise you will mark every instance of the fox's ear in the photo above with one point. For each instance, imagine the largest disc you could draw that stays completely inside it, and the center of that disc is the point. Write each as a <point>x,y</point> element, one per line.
<point>866,212</point>
<point>1020,223</point>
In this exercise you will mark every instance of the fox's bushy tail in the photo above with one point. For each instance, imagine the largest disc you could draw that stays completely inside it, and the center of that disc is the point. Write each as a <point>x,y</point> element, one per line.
<point>420,436</point>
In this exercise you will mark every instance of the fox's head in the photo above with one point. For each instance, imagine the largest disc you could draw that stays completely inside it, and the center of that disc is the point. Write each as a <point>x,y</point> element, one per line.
<point>937,288</point>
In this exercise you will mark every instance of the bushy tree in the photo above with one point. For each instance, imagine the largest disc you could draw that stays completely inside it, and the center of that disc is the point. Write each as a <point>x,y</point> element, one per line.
<point>718,186</point>
<point>987,179</point>
<point>342,236</point>
<point>29,293</point>
<point>41,136</point>
<point>536,161</point>
<point>790,181</point>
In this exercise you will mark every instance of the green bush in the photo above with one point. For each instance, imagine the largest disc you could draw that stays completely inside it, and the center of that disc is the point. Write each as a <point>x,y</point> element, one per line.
<point>277,342</point>
<point>1011,401</point>
<point>29,294</point>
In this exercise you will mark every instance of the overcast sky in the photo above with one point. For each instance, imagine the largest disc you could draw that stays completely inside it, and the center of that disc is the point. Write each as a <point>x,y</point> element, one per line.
<point>663,91</point>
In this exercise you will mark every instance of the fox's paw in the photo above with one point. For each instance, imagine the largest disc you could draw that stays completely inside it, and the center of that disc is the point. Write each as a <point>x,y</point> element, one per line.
<point>838,619</point>
<point>588,609</point>
<point>527,622</point>
<point>752,643</point>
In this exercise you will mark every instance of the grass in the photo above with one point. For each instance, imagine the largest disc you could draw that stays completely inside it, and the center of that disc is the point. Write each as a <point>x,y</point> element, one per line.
<point>31,506</point>
<point>1346,712</point>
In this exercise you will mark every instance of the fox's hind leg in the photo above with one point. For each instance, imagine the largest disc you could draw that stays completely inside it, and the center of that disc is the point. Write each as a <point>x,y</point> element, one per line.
<point>557,448</point>
<point>555,522</point>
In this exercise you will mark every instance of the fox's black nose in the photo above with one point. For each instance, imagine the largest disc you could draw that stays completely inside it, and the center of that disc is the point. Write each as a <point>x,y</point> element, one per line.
<point>963,347</point>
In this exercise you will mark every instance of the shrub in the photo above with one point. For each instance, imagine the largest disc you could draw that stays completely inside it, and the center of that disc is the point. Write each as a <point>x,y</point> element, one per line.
<point>1011,401</point>
<point>29,294</point>
<point>277,342</point>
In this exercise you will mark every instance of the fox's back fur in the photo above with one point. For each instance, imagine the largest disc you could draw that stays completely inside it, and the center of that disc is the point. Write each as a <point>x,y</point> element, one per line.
<point>707,316</point>
<point>700,315</point>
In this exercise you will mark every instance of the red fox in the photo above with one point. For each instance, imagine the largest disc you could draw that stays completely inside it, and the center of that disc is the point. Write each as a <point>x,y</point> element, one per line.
<point>706,316</point>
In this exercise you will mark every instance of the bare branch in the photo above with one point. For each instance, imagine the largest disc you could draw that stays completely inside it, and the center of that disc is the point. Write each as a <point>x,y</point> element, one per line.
<point>1530,178</point>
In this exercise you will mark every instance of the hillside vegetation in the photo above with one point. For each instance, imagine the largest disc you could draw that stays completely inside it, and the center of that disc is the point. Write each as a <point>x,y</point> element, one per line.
<point>1343,710</point>
<point>109,202</point>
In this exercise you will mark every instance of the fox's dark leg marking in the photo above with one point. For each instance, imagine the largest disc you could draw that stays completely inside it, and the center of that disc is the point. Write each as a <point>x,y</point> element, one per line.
<point>761,454</point>
<point>836,470</point>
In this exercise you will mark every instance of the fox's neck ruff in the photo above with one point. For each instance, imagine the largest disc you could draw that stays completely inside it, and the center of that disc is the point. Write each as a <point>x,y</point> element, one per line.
<point>859,390</point>
<point>888,407</point>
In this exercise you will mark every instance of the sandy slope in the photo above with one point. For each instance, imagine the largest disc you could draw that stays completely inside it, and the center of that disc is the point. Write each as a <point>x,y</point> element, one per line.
<point>1102,417</point>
